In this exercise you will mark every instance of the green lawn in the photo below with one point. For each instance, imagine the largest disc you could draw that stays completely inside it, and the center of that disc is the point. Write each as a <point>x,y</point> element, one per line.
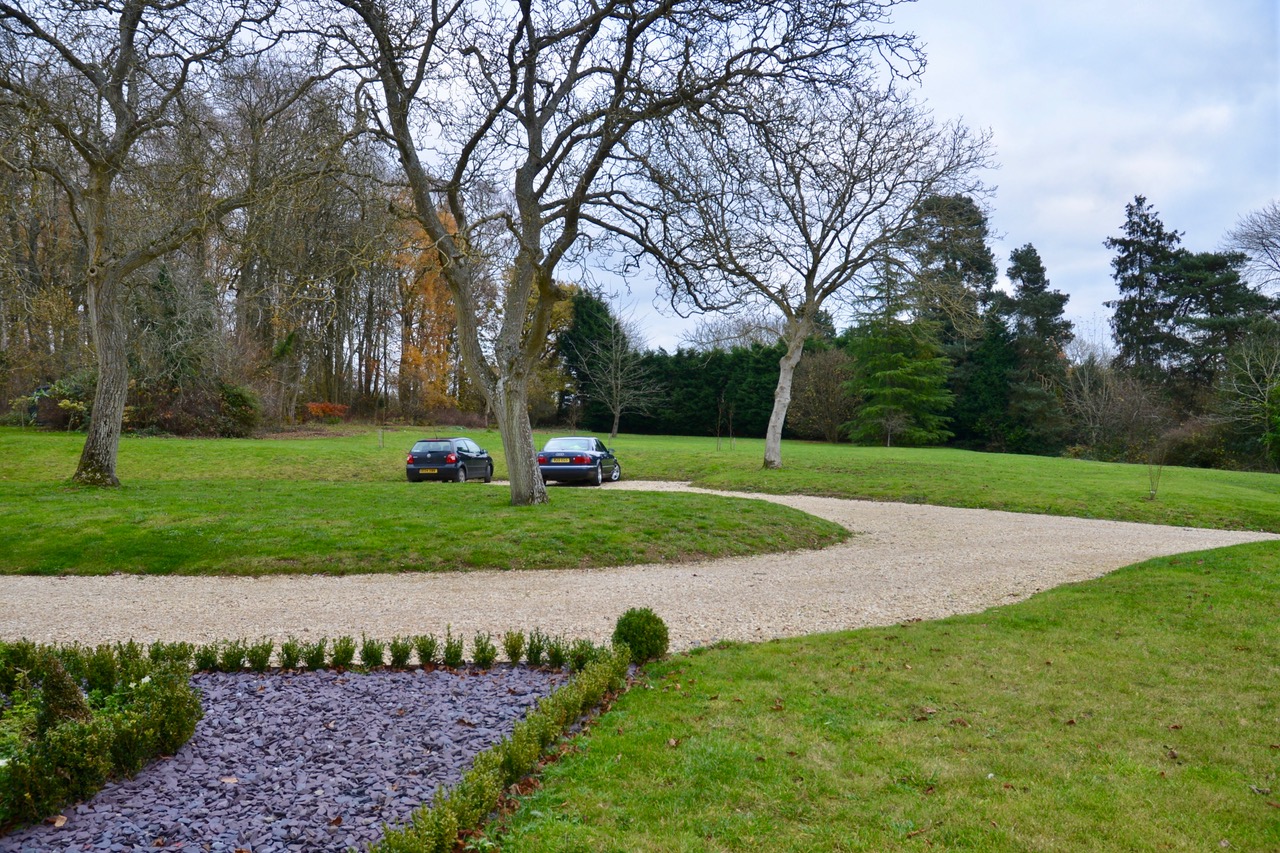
<point>1189,497</point>
<point>1186,496</point>
<point>341,505</point>
<point>1135,712</point>
<point>1139,711</point>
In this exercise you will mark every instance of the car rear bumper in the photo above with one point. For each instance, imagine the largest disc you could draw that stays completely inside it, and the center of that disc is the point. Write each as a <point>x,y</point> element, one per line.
<point>566,473</point>
<point>431,472</point>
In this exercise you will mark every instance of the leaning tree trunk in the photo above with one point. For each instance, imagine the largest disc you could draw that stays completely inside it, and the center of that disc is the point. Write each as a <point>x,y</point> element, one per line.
<point>796,332</point>
<point>510,402</point>
<point>98,459</point>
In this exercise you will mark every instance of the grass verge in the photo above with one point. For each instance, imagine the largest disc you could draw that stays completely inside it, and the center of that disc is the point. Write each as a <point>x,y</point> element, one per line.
<point>1133,712</point>
<point>242,527</point>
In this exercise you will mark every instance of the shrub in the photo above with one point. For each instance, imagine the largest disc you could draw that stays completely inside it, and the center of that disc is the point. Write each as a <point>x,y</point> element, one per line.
<point>231,656</point>
<point>59,749</point>
<point>206,658</point>
<point>581,653</point>
<point>428,648</point>
<point>513,645</point>
<point>557,652</point>
<point>100,670</point>
<point>60,696</point>
<point>644,632</point>
<point>344,652</point>
<point>536,648</point>
<point>239,411</point>
<point>435,828</point>
<point>259,654</point>
<point>371,651</point>
<point>484,651</point>
<point>178,654</point>
<point>452,649</point>
<point>401,649</point>
<point>314,653</point>
<point>291,653</point>
<point>330,412</point>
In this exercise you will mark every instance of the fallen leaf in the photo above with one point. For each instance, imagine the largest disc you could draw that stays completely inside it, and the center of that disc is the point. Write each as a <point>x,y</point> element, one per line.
<point>673,743</point>
<point>57,820</point>
<point>759,758</point>
<point>229,780</point>
<point>337,821</point>
<point>1070,722</point>
<point>1266,792</point>
<point>1173,754</point>
<point>777,704</point>
<point>1175,727</point>
<point>960,721</point>
<point>463,721</point>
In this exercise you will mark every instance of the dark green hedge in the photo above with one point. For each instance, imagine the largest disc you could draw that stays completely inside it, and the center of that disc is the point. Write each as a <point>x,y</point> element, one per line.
<point>72,718</point>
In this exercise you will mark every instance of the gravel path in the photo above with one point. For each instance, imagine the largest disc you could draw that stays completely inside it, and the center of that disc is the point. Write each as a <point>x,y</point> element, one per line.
<point>906,561</point>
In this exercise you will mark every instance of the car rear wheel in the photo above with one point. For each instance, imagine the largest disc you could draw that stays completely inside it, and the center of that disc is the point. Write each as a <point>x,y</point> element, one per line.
<point>617,473</point>
<point>461,476</point>
<point>488,474</point>
<point>599,475</point>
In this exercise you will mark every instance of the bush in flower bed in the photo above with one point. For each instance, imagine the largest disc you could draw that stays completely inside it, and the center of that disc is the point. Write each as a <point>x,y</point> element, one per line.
<point>71,718</point>
<point>434,828</point>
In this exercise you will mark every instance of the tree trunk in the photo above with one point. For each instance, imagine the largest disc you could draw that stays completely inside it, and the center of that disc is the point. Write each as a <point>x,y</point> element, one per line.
<point>796,332</point>
<point>510,400</point>
<point>98,459</point>
<point>617,415</point>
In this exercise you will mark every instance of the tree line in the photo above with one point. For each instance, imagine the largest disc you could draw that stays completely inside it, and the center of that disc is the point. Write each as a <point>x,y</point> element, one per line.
<point>216,213</point>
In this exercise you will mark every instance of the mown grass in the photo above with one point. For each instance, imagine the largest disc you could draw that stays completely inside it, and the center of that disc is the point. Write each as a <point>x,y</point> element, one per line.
<point>1134,712</point>
<point>340,505</point>
<point>1188,497</point>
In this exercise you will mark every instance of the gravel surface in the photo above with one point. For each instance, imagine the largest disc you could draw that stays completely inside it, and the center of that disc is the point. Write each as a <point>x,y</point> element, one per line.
<point>309,762</point>
<point>906,561</point>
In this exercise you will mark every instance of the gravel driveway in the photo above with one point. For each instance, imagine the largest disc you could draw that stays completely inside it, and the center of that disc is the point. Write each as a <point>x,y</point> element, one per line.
<point>905,561</point>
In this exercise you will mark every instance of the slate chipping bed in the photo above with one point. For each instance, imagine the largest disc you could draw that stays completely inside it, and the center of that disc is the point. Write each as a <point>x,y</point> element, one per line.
<point>314,761</point>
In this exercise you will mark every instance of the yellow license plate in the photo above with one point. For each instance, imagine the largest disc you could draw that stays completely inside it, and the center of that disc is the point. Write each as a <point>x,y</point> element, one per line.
<point>430,471</point>
<point>560,459</point>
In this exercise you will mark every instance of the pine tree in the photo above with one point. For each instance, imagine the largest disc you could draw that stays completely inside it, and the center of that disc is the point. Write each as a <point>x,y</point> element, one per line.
<point>1143,265</point>
<point>900,375</point>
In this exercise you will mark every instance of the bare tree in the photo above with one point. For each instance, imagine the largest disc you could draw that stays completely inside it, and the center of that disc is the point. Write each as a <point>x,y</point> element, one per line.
<point>615,374</point>
<point>821,406</point>
<point>104,81</point>
<point>1251,388</point>
<point>1257,235</point>
<point>786,200</point>
<point>511,117</point>
<point>726,331</point>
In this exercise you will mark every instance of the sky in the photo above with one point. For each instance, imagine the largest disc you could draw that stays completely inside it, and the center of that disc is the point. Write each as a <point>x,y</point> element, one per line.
<point>1089,104</point>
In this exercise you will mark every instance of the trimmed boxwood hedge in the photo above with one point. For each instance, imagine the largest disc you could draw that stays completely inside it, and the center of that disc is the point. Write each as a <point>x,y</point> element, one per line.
<point>434,828</point>
<point>59,745</point>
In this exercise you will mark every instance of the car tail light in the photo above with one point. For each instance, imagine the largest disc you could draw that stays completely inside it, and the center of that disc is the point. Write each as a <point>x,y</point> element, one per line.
<point>451,458</point>
<point>582,460</point>
<point>542,460</point>
<point>409,460</point>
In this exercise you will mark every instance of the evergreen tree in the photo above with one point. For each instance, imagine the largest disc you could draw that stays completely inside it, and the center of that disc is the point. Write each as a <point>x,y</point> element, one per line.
<point>1213,310</point>
<point>955,269</point>
<point>1037,420</point>
<point>1143,265</point>
<point>900,375</point>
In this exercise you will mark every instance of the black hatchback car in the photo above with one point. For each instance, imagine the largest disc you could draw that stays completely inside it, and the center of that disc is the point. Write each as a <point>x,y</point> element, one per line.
<point>578,458</point>
<point>455,459</point>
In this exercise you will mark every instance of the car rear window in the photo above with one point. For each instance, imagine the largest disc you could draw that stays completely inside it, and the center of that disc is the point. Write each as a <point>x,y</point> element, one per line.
<point>428,446</point>
<point>568,444</point>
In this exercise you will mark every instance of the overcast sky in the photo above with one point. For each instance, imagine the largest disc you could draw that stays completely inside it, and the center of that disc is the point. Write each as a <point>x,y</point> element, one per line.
<point>1091,103</point>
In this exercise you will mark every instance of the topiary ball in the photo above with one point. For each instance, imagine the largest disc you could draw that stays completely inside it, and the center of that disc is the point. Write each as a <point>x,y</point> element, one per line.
<point>644,632</point>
